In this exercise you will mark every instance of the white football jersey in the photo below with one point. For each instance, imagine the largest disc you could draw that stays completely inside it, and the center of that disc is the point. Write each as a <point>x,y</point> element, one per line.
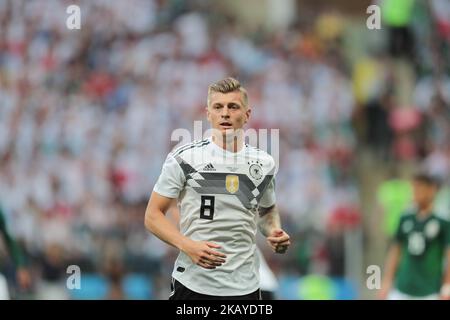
<point>219,193</point>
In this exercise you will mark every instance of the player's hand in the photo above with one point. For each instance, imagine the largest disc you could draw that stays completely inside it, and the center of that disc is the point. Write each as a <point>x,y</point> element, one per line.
<point>23,278</point>
<point>384,292</point>
<point>203,254</point>
<point>278,240</point>
<point>445,292</point>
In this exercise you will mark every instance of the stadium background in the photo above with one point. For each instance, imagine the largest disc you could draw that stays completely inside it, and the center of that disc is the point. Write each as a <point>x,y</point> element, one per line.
<point>86,117</point>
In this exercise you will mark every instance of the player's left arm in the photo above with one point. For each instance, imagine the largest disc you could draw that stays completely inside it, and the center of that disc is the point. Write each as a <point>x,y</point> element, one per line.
<point>445,289</point>
<point>270,226</point>
<point>22,273</point>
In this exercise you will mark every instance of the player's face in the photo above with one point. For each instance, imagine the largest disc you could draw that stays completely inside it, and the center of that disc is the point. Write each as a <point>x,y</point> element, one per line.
<point>423,193</point>
<point>226,112</point>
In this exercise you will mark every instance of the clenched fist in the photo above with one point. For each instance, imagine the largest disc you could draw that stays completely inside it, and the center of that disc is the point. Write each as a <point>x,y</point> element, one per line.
<point>278,240</point>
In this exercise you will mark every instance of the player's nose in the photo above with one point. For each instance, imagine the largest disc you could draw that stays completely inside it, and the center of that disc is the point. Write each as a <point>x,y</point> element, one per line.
<point>225,112</point>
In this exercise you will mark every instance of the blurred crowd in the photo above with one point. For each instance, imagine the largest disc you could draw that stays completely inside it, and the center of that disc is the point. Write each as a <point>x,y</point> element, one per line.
<point>86,118</point>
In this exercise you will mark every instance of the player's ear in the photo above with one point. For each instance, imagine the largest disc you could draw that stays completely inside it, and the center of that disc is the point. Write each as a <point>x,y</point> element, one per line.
<point>248,112</point>
<point>208,114</point>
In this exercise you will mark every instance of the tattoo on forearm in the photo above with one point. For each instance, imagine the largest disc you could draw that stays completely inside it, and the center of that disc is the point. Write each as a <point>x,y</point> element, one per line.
<point>264,211</point>
<point>269,219</point>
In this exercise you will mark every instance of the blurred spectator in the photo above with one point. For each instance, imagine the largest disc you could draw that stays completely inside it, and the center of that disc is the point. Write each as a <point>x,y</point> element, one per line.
<point>397,15</point>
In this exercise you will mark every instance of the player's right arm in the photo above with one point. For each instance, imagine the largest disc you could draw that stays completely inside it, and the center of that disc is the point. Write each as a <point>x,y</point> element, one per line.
<point>201,253</point>
<point>390,269</point>
<point>158,224</point>
<point>168,187</point>
<point>392,261</point>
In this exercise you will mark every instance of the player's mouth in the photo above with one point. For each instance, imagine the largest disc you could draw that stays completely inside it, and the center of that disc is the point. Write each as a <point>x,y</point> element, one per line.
<point>226,125</point>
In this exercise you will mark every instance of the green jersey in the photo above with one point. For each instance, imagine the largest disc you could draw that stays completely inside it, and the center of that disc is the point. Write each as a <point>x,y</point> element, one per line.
<point>423,244</point>
<point>10,243</point>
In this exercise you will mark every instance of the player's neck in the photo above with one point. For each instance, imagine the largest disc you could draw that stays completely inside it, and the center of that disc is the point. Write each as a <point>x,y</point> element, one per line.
<point>231,143</point>
<point>425,211</point>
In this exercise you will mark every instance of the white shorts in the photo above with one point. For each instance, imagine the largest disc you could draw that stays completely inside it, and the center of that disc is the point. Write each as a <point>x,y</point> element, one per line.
<point>397,295</point>
<point>4,291</point>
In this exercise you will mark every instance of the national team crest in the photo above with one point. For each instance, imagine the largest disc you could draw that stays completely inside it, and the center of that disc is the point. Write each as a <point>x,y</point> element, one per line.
<point>255,171</point>
<point>432,229</point>
<point>232,183</point>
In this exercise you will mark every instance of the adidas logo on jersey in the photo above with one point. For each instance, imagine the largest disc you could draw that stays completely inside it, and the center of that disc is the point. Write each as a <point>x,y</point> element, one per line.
<point>209,167</point>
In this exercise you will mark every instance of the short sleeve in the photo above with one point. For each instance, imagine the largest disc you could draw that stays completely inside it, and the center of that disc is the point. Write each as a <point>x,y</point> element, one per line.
<point>398,236</point>
<point>447,233</point>
<point>171,180</point>
<point>268,198</point>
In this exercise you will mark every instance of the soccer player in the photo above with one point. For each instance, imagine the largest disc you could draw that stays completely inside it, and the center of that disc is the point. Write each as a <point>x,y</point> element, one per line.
<point>225,190</point>
<point>22,274</point>
<point>415,263</point>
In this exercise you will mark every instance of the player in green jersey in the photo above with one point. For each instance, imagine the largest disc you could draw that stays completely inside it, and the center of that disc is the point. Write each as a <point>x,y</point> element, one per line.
<point>416,265</point>
<point>23,276</point>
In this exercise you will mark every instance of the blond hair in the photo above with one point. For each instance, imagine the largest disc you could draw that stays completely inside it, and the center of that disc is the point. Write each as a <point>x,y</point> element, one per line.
<point>228,85</point>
